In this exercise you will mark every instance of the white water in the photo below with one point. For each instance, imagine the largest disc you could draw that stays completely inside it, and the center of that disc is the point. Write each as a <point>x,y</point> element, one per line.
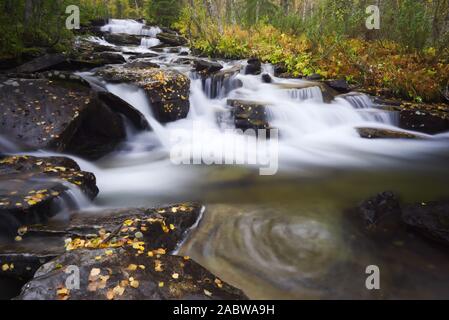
<point>135,28</point>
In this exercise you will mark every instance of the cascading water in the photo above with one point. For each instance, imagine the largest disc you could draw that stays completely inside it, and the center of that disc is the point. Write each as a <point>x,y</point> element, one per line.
<point>135,28</point>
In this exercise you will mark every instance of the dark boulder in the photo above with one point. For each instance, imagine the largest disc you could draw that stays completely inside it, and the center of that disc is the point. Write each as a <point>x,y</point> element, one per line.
<point>159,228</point>
<point>379,213</point>
<point>249,114</point>
<point>266,78</point>
<point>172,39</point>
<point>340,85</point>
<point>168,90</point>
<point>431,219</point>
<point>207,67</point>
<point>32,189</point>
<point>121,274</point>
<point>63,114</point>
<point>141,64</point>
<point>253,67</point>
<point>123,39</point>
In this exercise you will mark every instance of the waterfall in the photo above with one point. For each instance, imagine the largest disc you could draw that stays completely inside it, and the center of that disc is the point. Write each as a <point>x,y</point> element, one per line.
<point>135,28</point>
<point>313,93</point>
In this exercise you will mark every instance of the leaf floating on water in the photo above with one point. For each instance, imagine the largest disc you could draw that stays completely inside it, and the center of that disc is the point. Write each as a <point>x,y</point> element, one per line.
<point>22,230</point>
<point>207,293</point>
<point>118,290</point>
<point>175,275</point>
<point>132,267</point>
<point>161,284</point>
<point>135,284</point>
<point>110,295</point>
<point>18,238</point>
<point>5,267</point>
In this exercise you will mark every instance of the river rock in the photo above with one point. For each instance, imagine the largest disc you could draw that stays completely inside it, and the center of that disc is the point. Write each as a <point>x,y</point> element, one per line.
<point>64,115</point>
<point>159,229</point>
<point>207,67</point>
<point>381,212</point>
<point>340,85</point>
<point>120,274</point>
<point>167,90</point>
<point>431,219</point>
<point>254,67</point>
<point>144,55</point>
<point>171,39</point>
<point>376,133</point>
<point>32,189</point>
<point>123,39</point>
<point>249,114</point>
<point>72,62</point>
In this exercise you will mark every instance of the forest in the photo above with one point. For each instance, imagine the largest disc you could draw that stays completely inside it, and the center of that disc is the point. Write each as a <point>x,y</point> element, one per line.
<point>406,57</point>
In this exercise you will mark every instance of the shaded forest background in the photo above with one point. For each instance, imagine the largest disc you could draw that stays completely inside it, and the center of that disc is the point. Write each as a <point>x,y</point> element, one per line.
<point>407,57</point>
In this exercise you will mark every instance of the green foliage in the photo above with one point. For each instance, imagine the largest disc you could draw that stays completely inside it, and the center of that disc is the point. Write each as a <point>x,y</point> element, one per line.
<point>163,12</point>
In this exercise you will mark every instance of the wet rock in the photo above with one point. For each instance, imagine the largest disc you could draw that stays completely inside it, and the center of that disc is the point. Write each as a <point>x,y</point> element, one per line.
<point>280,70</point>
<point>159,229</point>
<point>64,115</point>
<point>32,189</point>
<point>141,64</point>
<point>207,67</point>
<point>302,90</point>
<point>431,119</point>
<point>266,78</point>
<point>249,114</point>
<point>254,67</point>
<point>144,55</point>
<point>314,77</point>
<point>375,133</point>
<point>121,275</point>
<point>72,62</point>
<point>172,39</point>
<point>340,85</point>
<point>431,219</point>
<point>167,90</point>
<point>376,211</point>
<point>123,39</point>
<point>220,83</point>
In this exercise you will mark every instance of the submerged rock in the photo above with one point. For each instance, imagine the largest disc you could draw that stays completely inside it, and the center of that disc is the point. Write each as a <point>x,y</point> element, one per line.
<point>429,218</point>
<point>120,274</point>
<point>32,189</point>
<point>249,114</point>
<point>375,133</point>
<point>168,90</point>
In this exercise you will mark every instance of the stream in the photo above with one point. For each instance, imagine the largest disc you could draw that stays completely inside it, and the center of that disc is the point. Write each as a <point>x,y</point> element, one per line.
<point>282,236</point>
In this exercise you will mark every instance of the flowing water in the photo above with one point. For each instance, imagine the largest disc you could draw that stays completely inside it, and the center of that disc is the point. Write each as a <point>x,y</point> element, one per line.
<point>281,236</point>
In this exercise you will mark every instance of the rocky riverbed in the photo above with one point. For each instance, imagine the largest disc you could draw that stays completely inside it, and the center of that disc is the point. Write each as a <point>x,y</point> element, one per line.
<point>85,179</point>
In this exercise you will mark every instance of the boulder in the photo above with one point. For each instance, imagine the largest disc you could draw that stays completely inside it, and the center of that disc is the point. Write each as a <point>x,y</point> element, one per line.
<point>431,219</point>
<point>157,228</point>
<point>376,133</point>
<point>141,64</point>
<point>207,67</point>
<point>144,55</point>
<point>64,114</point>
<point>380,212</point>
<point>121,274</point>
<point>253,67</point>
<point>172,39</point>
<point>266,78</point>
<point>314,77</point>
<point>123,39</point>
<point>340,85</point>
<point>32,189</point>
<point>249,114</point>
<point>168,90</point>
